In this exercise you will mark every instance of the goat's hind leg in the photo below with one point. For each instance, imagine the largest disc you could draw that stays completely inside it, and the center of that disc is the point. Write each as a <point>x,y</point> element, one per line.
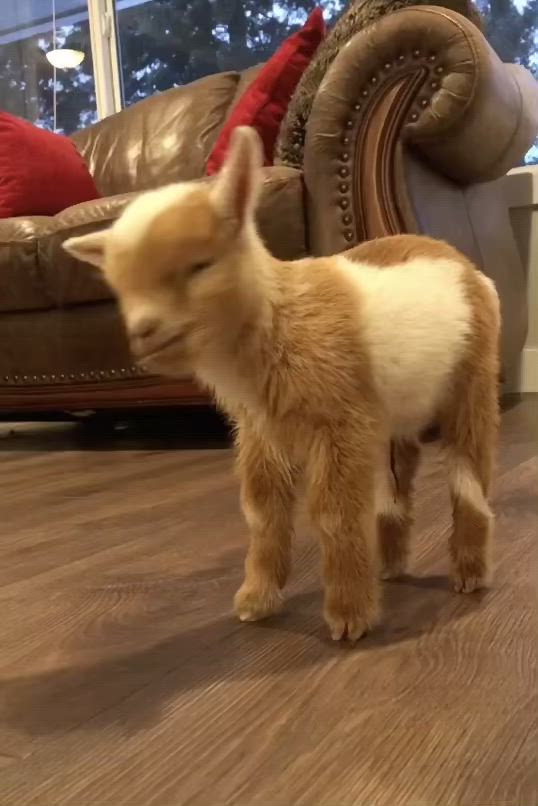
<point>470,435</point>
<point>394,505</point>
<point>470,425</point>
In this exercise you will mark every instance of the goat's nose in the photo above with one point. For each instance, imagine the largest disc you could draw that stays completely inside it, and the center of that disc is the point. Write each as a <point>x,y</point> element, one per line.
<point>144,328</point>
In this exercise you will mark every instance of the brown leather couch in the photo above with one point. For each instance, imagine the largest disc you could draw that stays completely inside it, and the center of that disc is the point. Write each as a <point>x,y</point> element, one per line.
<point>414,122</point>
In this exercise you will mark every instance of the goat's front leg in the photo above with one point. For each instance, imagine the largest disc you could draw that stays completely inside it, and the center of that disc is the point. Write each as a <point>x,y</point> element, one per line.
<point>341,492</point>
<point>267,498</point>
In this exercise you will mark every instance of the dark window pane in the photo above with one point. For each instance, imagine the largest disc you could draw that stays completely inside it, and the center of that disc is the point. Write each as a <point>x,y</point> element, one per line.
<point>27,77</point>
<point>512,30</point>
<point>165,43</point>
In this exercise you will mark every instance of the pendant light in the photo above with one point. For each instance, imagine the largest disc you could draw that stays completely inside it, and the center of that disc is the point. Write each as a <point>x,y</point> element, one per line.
<point>62,58</point>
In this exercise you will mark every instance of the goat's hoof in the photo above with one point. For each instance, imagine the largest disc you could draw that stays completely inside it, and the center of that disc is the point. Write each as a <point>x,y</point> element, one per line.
<point>254,604</point>
<point>349,619</point>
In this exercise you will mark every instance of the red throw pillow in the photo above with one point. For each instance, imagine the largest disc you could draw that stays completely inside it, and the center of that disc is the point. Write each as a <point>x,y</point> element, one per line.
<point>41,173</point>
<point>265,101</point>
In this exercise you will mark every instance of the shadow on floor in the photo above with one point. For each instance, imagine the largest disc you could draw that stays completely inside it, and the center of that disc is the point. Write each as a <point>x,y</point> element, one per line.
<point>134,687</point>
<point>198,427</point>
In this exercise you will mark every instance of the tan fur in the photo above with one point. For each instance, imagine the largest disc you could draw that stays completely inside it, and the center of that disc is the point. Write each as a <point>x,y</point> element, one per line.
<point>469,419</point>
<point>396,249</point>
<point>470,427</point>
<point>395,524</point>
<point>285,348</point>
<point>155,256</point>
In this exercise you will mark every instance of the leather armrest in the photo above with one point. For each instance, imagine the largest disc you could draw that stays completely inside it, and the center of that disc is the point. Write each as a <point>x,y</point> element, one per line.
<point>422,78</point>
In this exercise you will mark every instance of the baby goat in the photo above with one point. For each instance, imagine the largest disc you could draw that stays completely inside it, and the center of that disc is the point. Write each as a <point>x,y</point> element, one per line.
<point>330,370</point>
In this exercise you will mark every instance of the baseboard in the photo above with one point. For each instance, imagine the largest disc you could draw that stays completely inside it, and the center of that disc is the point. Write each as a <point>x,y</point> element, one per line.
<point>526,378</point>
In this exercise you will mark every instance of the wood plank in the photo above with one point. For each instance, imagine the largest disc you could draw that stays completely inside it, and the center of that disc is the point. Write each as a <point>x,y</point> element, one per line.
<point>125,679</point>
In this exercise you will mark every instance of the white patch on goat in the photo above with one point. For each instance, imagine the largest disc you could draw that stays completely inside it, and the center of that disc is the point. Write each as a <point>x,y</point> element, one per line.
<point>465,485</point>
<point>416,320</point>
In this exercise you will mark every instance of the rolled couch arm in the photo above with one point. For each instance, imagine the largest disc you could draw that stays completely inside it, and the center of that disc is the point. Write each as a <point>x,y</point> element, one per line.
<point>422,78</point>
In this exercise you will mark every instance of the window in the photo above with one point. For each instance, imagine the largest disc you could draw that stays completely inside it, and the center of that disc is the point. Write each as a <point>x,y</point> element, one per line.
<point>512,30</point>
<point>165,43</point>
<point>61,99</point>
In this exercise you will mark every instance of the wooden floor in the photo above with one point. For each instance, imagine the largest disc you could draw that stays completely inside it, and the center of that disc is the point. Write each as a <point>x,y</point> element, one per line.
<point>124,679</point>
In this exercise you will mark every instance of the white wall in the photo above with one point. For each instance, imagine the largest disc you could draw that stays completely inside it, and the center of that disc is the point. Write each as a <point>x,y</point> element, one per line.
<point>522,197</point>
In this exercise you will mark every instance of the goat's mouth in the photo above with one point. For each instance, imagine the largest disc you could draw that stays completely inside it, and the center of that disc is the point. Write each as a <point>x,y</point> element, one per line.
<point>154,352</point>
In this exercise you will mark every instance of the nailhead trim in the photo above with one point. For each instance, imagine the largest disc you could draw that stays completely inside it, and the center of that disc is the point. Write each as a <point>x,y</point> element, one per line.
<point>343,171</point>
<point>61,378</point>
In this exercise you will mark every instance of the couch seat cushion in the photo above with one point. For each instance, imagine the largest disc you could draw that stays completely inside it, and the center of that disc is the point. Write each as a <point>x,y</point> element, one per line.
<point>37,274</point>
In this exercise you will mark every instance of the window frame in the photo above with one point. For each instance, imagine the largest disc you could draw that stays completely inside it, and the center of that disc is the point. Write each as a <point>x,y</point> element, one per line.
<point>106,66</point>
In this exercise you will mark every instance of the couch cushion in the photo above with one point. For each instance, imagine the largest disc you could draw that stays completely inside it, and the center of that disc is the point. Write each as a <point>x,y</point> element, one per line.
<point>265,101</point>
<point>37,274</point>
<point>166,138</point>
<point>41,172</point>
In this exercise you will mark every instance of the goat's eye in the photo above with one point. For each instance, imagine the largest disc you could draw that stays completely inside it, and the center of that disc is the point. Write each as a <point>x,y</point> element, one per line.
<point>197,268</point>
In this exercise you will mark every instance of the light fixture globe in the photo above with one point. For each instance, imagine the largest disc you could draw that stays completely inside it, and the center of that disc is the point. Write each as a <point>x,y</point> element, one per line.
<point>64,58</point>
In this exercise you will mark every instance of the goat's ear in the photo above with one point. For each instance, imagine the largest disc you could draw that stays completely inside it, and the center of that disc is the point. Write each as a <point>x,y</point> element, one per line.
<point>88,248</point>
<point>237,184</point>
